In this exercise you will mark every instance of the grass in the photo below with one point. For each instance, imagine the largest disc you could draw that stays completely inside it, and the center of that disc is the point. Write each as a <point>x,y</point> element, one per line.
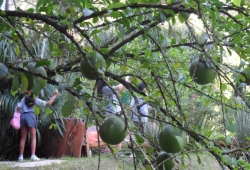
<point>108,162</point>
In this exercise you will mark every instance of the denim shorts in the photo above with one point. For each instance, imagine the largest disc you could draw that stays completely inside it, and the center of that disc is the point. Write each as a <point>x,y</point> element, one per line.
<point>28,119</point>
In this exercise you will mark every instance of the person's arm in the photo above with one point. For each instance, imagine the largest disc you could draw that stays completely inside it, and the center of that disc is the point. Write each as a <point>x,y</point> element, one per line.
<point>18,107</point>
<point>119,87</point>
<point>49,103</point>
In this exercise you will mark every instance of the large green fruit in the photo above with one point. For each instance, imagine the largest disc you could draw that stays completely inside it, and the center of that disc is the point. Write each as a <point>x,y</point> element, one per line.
<point>113,131</point>
<point>36,81</point>
<point>97,61</point>
<point>200,73</point>
<point>172,139</point>
<point>167,165</point>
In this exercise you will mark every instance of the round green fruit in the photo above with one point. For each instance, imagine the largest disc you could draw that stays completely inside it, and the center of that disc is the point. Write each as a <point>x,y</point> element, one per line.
<point>172,139</point>
<point>97,61</point>
<point>167,165</point>
<point>39,70</point>
<point>113,131</point>
<point>200,73</point>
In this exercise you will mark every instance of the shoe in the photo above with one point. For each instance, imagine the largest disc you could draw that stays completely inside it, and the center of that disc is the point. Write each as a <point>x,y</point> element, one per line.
<point>34,158</point>
<point>20,158</point>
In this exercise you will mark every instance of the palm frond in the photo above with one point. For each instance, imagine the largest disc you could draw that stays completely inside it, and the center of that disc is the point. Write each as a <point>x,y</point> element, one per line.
<point>8,135</point>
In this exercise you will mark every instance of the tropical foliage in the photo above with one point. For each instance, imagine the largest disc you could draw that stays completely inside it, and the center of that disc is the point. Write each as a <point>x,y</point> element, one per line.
<point>152,41</point>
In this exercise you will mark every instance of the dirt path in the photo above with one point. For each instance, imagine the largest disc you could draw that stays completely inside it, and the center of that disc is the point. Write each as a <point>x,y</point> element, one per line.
<point>30,164</point>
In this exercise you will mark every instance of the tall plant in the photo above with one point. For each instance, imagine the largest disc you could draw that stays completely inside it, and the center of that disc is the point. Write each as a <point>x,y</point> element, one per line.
<point>242,119</point>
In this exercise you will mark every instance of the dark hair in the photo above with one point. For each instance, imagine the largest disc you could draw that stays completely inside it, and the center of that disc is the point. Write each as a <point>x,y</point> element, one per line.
<point>142,86</point>
<point>29,100</point>
<point>99,86</point>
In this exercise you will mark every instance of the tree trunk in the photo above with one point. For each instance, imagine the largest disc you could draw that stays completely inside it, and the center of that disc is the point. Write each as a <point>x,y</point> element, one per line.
<point>54,145</point>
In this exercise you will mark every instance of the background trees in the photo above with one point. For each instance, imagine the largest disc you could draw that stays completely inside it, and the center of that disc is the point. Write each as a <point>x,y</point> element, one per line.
<point>149,40</point>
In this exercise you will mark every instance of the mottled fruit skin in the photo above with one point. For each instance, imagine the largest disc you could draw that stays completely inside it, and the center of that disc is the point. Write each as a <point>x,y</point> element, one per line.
<point>168,140</point>
<point>97,61</point>
<point>113,131</point>
<point>167,165</point>
<point>200,73</point>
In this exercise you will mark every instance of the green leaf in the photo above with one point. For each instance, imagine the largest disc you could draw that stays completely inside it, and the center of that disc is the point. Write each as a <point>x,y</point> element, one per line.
<point>223,87</point>
<point>17,50</point>
<point>162,16</point>
<point>36,110</point>
<point>52,125</point>
<point>24,83</point>
<point>121,29</point>
<point>237,2</point>
<point>207,102</point>
<point>177,65</point>
<point>39,4</point>
<point>180,141</point>
<point>125,21</point>
<point>115,14</point>
<point>214,15</point>
<point>15,82</point>
<point>116,5</point>
<point>77,82</point>
<point>68,107</point>
<point>139,139</point>
<point>42,63</point>
<point>48,111</point>
<point>36,86</point>
<point>181,18</point>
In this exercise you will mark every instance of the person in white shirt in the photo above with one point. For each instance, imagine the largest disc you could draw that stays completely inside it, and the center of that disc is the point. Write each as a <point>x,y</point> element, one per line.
<point>139,110</point>
<point>28,121</point>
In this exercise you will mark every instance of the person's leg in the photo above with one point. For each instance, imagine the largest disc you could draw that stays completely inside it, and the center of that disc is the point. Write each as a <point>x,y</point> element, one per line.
<point>32,131</point>
<point>23,131</point>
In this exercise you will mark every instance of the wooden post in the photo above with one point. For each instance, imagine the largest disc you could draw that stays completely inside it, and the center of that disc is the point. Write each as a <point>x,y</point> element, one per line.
<point>54,145</point>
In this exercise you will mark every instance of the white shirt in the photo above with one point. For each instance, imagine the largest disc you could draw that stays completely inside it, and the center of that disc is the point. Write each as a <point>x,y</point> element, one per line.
<point>113,106</point>
<point>143,110</point>
<point>25,108</point>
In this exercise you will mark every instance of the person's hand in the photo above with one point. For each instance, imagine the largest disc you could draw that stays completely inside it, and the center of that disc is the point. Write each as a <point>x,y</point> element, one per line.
<point>127,79</point>
<point>56,92</point>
